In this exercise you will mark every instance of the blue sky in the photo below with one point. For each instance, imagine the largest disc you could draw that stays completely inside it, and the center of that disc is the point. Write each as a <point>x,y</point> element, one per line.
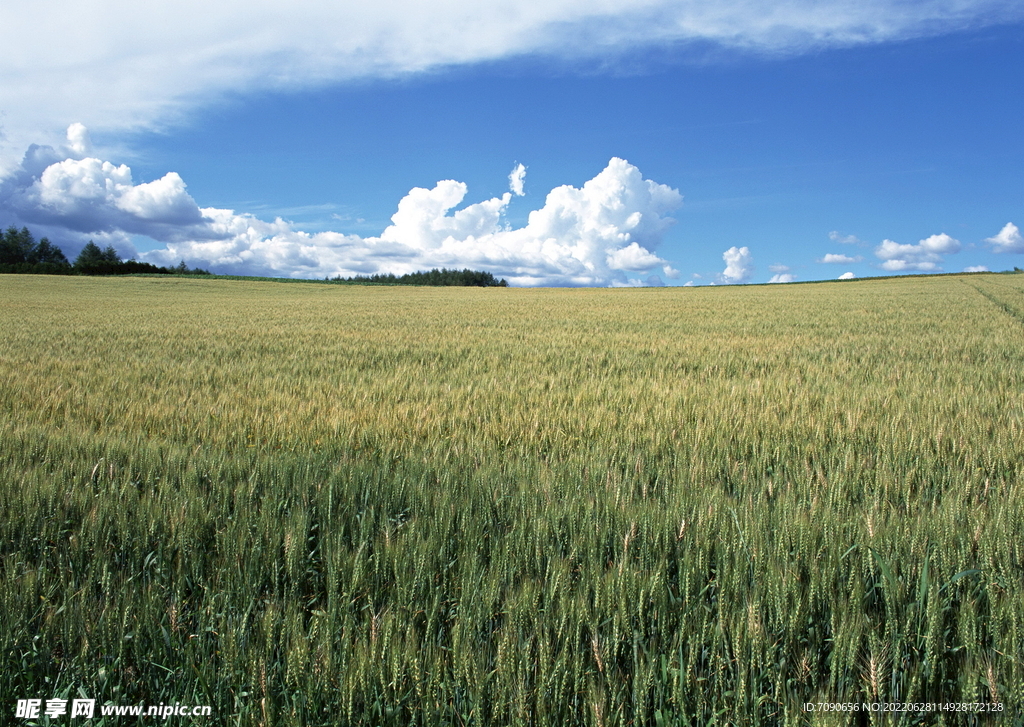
<point>889,142</point>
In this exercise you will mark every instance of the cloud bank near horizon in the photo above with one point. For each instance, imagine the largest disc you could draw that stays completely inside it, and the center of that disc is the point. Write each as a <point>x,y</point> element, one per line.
<point>128,65</point>
<point>603,233</point>
<point>926,256</point>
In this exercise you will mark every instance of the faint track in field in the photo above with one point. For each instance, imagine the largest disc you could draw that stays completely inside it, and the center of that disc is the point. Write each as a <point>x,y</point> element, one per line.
<point>1010,310</point>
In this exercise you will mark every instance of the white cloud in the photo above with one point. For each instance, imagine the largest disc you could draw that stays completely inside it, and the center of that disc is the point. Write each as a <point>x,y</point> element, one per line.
<point>593,235</point>
<point>835,236</point>
<point>941,244</point>
<point>782,278</point>
<point>670,272</point>
<point>846,276</point>
<point>925,256</point>
<point>516,180</point>
<point>976,269</point>
<point>632,257</point>
<point>93,196</point>
<point>738,265</point>
<point>1008,240</point>
<point>125,64</point>
<point>78,140</point>
<point>778,268</point>
<point>839,258</point>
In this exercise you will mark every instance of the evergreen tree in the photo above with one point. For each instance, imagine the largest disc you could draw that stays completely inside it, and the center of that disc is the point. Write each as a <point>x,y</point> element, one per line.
<point>440,277</point>
<point>94,261</point>
<point>90,256</point>
<point>47,252</point>
<point>16,246</point>
<point>19,253</point>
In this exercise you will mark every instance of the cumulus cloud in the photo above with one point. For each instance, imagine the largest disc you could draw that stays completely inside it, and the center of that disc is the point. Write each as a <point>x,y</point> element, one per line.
<point>1008,240</point>
<point>846,276</point>
<point>88,190</point>
<point>976,269</point>
<point>125,64</point>
<point>603,233</point>
<point>517,179</point>
<point>925,256</point>
<point>839,258</point>
<point>739,265</point>
<point>782,278</point>
<point>67,195</point>
<point>78,139</point>
<point>632,257</point>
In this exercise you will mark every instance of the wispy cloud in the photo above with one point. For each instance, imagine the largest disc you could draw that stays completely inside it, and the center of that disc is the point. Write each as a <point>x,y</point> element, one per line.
<point>125,64</point>
<point>517,180</point>
<point>836,236</point>
<point>603,233</point>
<point>839,259</point>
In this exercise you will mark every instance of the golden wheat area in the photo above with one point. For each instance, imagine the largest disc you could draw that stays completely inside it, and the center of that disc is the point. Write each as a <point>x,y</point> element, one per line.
<point>312,504</point>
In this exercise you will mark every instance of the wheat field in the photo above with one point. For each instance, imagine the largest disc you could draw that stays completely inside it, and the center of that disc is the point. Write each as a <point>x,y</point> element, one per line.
<point>312,504</point>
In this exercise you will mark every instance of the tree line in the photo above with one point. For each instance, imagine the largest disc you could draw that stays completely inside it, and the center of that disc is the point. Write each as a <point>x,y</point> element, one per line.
<point>20,253</point>
<point>440,277</point>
